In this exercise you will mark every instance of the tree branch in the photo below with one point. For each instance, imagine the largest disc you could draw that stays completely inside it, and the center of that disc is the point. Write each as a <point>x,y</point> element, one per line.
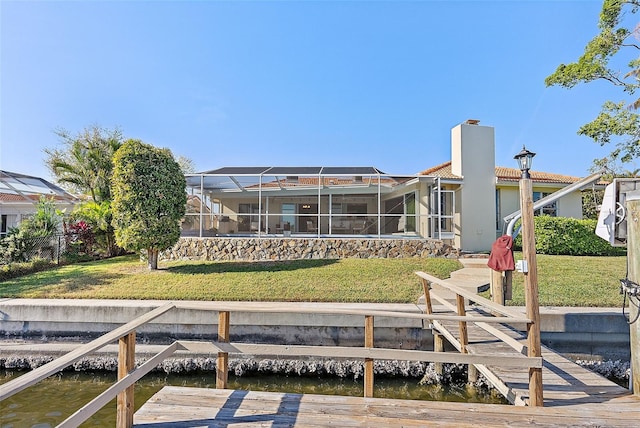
<point>630,45</point>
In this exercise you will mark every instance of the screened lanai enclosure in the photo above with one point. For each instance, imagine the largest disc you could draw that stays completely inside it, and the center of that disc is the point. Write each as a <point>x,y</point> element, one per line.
<point>316,201</point>
<point>19,194</point>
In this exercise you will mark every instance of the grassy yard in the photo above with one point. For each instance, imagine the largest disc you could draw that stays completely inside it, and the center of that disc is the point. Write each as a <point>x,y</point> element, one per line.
<point>575,281</point>
<point>563,280</point>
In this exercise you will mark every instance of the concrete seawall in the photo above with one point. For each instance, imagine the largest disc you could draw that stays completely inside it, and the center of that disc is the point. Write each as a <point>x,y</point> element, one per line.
<point>596,331</point>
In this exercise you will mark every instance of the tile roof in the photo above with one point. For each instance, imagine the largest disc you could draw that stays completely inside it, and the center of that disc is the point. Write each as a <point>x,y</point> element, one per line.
<point>12,197</point>
<point>513,174</point>
<point>503,174</point>
<point>443,171</point>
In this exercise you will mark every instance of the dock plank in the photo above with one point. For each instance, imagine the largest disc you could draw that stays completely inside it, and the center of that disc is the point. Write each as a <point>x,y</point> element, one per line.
<point>193,407</point>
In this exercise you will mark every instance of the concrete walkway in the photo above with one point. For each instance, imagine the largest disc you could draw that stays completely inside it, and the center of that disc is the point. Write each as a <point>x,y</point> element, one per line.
<point>475,276</point>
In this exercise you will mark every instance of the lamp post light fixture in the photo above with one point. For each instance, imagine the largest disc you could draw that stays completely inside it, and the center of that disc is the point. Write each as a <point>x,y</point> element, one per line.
<point>530,275</point>
<point>524,158</point>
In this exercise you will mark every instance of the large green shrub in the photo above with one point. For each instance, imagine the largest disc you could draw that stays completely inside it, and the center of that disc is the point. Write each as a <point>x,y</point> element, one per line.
<point>569,236</point>
<point>22,242</point>
<point>16,246</point>
<point>149,199</point>
<point>98,216</point>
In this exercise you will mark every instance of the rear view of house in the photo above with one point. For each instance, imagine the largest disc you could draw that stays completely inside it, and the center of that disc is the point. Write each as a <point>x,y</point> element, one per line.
<point>461,202</point>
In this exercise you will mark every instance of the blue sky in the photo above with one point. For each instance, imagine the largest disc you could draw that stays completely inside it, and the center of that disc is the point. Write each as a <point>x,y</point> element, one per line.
<point>283,83</point>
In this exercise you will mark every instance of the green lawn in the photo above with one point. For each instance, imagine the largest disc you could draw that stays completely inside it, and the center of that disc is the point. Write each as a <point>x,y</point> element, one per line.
<point>563,280</point>
<point>348,280</point>
<point>575,281</point>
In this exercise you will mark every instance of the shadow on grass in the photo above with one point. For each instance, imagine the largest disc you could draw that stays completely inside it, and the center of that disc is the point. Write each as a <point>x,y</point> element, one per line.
<point>238,267</point>
<point>55,282</point>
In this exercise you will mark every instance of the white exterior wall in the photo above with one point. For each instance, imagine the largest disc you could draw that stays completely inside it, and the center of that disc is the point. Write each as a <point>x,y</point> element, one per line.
<point>509,203</point>
<point>473,158</point>
<point>570,206</point>
<point>17,211</point>
<point>15,214</point>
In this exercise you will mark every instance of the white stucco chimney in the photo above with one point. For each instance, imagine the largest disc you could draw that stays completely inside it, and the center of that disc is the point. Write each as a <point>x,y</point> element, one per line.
<point>473,159</point>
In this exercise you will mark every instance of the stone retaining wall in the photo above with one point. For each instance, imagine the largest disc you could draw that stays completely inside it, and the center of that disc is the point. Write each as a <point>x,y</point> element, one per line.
<point>261,249</point>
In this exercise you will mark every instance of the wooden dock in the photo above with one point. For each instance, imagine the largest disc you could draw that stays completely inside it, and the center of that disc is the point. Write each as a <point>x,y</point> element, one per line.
<point>572,395</point>
<point>564,382</point>
<point>569,395</point>
<point>176,406</point>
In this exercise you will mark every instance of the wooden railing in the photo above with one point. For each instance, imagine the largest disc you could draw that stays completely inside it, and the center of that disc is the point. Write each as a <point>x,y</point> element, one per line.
<point>500,313</point>
<point>128,374</point>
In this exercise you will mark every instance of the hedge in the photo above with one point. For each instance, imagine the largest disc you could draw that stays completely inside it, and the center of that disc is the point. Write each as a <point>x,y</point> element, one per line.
<point>16,269</point>
<point>569,236</point>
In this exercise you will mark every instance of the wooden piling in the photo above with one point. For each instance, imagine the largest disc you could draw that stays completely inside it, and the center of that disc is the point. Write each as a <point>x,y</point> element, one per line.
<point>222,364</point>
<point>508,285</point>
<point>438,346</point>
<point>497,287</point>
<point>531,290</point>
<point>462,325</point>
<point>633,262</point>
<point>472,374</point>
<point>368,362</point>
<point>126,363</point>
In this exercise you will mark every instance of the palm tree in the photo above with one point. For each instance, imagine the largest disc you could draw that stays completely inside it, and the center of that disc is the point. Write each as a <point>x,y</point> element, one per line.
<point>85,165</point>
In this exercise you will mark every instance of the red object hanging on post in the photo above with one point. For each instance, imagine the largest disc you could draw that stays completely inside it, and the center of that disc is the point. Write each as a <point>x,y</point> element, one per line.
<point>501,257</point>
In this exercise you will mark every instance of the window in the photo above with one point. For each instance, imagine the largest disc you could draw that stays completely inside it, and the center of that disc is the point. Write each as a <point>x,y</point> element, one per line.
<point>442,218</point>
<point>8,221</point>
<point>248,223</point>
<point>550,210</point>
<point>289,215</point>
<point>410,212</point>
<point>356,209</point>
<point>394,220</point>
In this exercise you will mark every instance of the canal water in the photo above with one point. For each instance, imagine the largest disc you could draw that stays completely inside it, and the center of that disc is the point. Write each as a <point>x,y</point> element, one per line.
<point>52,400</point>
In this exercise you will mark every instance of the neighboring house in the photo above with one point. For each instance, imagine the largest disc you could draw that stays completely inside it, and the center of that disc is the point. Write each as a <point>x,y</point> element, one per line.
<point>19,195</point>
<point>461,201</point>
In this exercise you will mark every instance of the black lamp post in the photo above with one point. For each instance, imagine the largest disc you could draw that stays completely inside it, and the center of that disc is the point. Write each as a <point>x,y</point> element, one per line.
<point>524,158</point>
<point>530,272</point>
